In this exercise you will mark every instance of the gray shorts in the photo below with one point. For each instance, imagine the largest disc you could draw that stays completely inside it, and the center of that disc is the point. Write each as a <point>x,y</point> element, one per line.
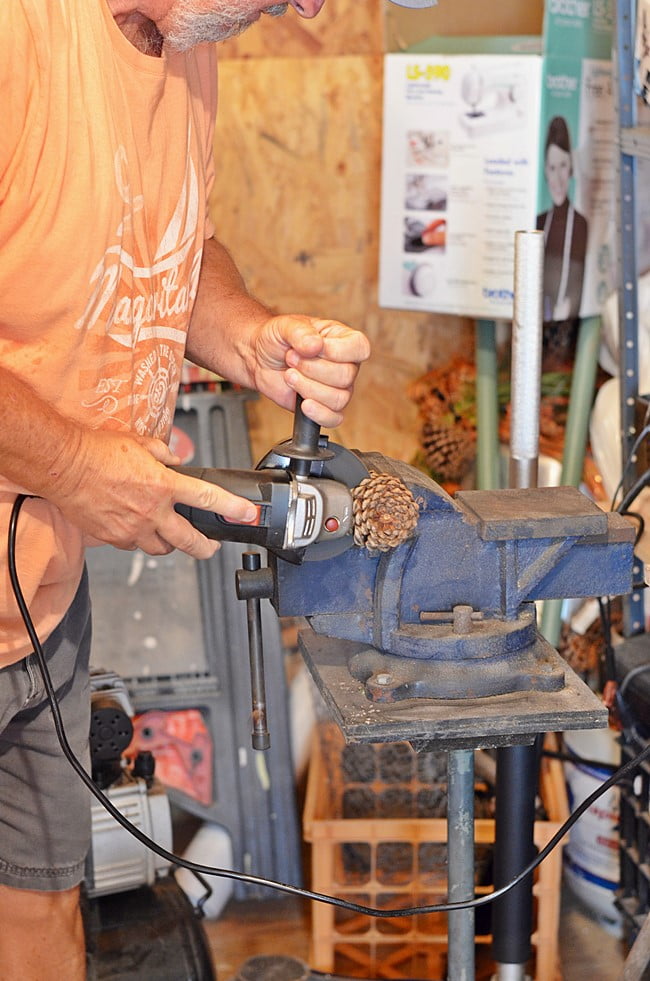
<point>44,807</point>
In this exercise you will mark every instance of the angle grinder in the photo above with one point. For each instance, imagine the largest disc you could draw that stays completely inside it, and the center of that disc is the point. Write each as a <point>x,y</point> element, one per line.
<point>309,495</point>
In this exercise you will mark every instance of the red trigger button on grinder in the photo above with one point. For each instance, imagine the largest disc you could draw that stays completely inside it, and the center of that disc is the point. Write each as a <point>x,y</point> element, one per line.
<point>332,524</point>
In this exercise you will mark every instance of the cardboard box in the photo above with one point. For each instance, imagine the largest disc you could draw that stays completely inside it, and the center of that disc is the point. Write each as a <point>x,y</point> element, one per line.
<point>466,125</point>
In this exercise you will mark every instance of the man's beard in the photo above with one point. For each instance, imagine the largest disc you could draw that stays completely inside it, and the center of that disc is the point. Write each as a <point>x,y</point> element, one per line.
<point>193,26</point>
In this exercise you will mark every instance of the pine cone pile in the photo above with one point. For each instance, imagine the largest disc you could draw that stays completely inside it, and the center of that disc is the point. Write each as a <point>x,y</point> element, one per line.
<point>446,399</point>
<point>385,512</point>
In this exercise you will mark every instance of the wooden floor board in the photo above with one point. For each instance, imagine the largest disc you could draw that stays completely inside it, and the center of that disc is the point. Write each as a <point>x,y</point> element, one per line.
<point>248,928</point>
<point>281,926</point>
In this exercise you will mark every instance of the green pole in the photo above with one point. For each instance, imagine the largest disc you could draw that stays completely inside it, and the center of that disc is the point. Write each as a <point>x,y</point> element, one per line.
<point>487,407</point>
<point>581,399</point>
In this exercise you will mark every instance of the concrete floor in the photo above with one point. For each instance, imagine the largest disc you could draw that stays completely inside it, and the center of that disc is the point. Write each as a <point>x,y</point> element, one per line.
<point>588,952</point>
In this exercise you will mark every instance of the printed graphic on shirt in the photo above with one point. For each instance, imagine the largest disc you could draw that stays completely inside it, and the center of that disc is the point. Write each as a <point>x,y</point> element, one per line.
<point>157,376</point>
<point>141,297</point>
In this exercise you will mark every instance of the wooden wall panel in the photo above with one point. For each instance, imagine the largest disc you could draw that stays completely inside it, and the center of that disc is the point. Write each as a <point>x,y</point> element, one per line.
<point>342,27</point>
<point>373,26</point>
<point>297,150</point>
<point>404,26</point>
<point>299,141</point>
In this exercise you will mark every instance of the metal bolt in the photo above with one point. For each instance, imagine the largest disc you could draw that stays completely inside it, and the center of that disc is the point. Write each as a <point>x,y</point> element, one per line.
<point>384,679</point>
<point>462,619</point>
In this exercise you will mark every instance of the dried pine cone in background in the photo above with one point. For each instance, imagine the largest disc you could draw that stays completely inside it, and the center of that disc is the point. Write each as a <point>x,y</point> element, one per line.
<point>585,652</point>
<point>446,400</point>
<point>447,389</point>
<point>385,512</point>
<point>553,410</point>
<point>582,652</point>
<point>447,450</point>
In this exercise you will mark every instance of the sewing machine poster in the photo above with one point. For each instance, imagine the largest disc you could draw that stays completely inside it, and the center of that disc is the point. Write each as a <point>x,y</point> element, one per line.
<point>460,163</point>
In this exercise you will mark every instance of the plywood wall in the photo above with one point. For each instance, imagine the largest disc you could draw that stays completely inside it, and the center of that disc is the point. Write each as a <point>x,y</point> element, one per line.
<point>298,153</point>
<point>405,26</point>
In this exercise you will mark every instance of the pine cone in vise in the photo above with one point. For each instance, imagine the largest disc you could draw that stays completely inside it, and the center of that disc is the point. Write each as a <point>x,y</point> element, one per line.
<point>385,512</point>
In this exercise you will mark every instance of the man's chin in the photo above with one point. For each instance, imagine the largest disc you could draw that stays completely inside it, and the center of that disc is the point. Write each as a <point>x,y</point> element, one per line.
<point>195,31</point>
<point>186,41</point>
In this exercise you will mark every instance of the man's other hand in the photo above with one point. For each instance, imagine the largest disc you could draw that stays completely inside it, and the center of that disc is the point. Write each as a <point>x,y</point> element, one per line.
<point>318,359</point>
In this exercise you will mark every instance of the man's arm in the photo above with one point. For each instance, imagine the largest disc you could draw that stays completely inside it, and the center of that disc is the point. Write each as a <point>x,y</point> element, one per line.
<point>114,486</point>
<point>117,487</point>
<point>236,336</point>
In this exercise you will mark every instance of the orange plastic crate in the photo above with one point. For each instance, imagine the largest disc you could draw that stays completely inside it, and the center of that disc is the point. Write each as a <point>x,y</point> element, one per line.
<point>385,861</point>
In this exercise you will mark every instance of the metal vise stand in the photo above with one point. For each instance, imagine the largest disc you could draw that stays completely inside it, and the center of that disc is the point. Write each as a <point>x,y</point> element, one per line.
<point>436,642</point>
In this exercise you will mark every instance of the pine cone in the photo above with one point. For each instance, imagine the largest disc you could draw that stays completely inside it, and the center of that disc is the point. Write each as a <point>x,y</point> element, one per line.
<point>446,400</point>
<point>385,512</point>
<point>450,390</point>
<point>461,386</point>
<point>447,450</point>
<point>581,651</point>
<point>584,652</point>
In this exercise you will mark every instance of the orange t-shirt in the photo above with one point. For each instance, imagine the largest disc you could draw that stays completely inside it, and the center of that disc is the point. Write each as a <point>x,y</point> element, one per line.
<point>105,168</point>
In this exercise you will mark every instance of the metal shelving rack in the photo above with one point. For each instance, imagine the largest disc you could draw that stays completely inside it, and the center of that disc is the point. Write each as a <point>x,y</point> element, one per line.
<point>633,145</point>
<point>634,142</point>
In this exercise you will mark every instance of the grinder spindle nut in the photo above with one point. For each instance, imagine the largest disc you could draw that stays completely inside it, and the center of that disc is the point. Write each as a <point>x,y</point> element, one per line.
<point>385,512</point>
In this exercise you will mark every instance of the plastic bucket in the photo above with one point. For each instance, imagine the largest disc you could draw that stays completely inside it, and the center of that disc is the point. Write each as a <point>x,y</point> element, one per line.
<point>591,857</point>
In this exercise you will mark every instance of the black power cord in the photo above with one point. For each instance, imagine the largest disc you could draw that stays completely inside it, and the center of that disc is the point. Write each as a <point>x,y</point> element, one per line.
<point>631,458</point>
<point>199,869</point>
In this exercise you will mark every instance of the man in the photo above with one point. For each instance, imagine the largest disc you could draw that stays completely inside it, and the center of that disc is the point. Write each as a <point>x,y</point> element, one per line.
<point>109,276</point>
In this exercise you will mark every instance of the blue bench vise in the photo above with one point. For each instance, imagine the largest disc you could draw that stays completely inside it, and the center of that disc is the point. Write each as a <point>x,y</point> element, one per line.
<point>437,639</point>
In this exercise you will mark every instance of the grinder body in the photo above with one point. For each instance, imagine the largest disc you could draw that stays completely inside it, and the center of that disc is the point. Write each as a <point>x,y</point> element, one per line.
<point>293,512</point>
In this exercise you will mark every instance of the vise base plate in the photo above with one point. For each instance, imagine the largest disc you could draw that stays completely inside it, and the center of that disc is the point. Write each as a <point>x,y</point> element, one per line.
<point>442,722</point>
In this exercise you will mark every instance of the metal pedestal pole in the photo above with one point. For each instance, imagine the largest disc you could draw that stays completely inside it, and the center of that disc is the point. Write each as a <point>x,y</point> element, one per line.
<point>460,853</point>
<point>516,789</point>
<point>512,915</point>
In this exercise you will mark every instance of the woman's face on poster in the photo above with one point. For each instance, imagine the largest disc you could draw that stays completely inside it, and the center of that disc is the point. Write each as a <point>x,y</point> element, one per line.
<point>557,171</point>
